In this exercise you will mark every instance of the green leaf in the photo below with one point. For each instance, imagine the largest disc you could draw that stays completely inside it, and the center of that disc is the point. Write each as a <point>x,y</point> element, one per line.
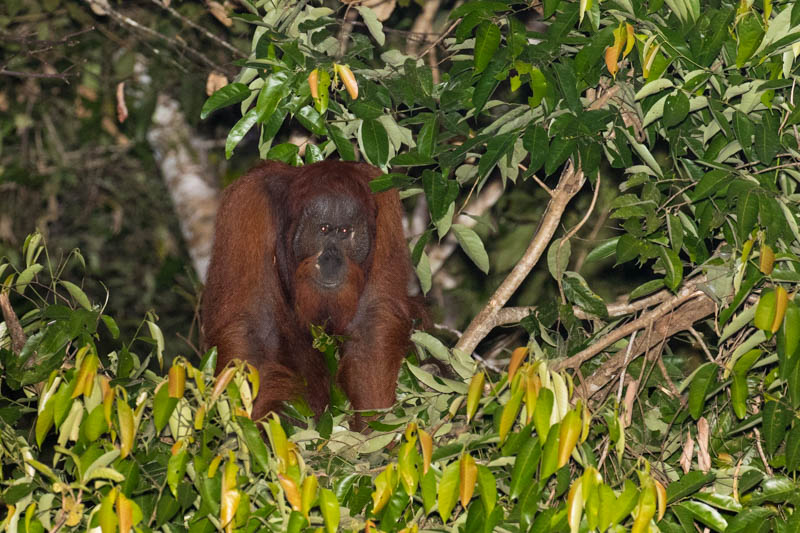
<point>313,154</point>
<point>687,485</point>
<point>549,7</point>
<point>745,130</point>
<point>676,109</point>
<point>239,130</point>
<point>375,142</point>
<point>496,148</point>
<point>163,406</point>
<point>95,424</point>
<point>747,212</point>
<point>448,490</point>
<point>439,192</point>
<point>472,246</point>
<point>233,93</point>
<point>487,41</point>
<point>272,92</point>
<point>646,288</point>
<point>673,267</point>
<point>255,443</point>
<point>487,486</point>
<point>44,421</point>
<point>560,150</point>
<point>768,141</point>
<point>343,145</point>
<point>373,24</point>
<point>329,506</point>
<point>536,142</point>
<point>524,466</point>
<point>750,520</point>
<point>550,452</point>
<point>773,426</point>
<point>176,469</point>
<point>750,33</point>
<point>426,140</point>
<point>542,413</point>
<point>603,250</point>
<point>488,81</point>
<point>311,120</point>
<point>578,292</point>
<point>427,485</point>
<point>705,514</point>
<point>558,255</point>
<point>704,379</point>
<point>711,184</point>
<point>739,395</point>
<point>793,449</point>
<point>77,294</point>
<point>26,276</point>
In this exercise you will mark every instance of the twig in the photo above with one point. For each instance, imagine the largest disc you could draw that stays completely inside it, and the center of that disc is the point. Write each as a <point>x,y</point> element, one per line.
<point>44,75</point>
<point>172,11</point>
<point>440,39</point>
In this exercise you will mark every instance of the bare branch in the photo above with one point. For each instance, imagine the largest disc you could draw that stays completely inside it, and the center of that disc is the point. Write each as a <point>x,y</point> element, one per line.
<point>18,337</point>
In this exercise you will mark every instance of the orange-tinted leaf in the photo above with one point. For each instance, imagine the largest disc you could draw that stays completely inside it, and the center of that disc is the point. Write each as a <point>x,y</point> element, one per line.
<point>468,474</point>
<point>516,359</point>
<point>177,381</point>
<point>124,513</point>
<point>781,301</point>
<point>291,491</point>
<point>313,83</point>
<point>223,379</point>
<point>568,436</point>
<point>426,443</point>
<point>349,81</point>
<point>127,428</point>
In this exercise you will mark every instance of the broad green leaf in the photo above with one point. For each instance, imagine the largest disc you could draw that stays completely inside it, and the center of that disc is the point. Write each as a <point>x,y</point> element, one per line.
<point>558,255</point>
<point>373,24</point>
<point>426,140</point>
<point>703,381</point>
<point>26,276</point>
<point>536,142</point>
<point>496,148</point>
<point>487,41</point>
<point>745,130</point>
<point>77,294</point>
<point>646,288</point>
<point>427,486</point>
<point>343,145</point>
<point>44,421</point>
<point>559,152</point>
<point>603,250</point>
<point>255,443</point>
<point>274,89</point>
<point>233,93</point>
<point>578,292</point>
<point>750,32</point>
<point>542,413</point>
<point>163,406</point>
<point>773,426</point>
<point>375,142</point>
<point>673,267</point>
<point>687,485</point>
<point>239,130</point>
<point>747,212</point>
<point>440,193</point>
<point>710,184</point>
<point>750,520</point>
<point>487,485</point>
<point>550,452</point>
<point>472,246</point>
<point>448,490</point>
<point>525,464</point>
<point>705,514</point>
<point>676,108</point>
<point>176,469</point>
<point>793,448</point>
<point>329,506</point>
<point>767,139</point>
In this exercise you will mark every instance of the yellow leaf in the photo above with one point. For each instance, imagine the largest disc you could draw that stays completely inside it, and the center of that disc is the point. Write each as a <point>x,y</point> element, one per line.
<point>568,436</point>
<point>781,301</point>
<point>468,474</point>
<point>630,40</point>
<point>575,505</point>
<point>474,394</point>
<point>767,259</point>
<point>661,499</point>
<point>176,381</point>
<point>280,445</point>
<point>309,494</point>
<point>229,503</point>
<point>127,429</point>
<point>384,486</point>
<point>611,55</point>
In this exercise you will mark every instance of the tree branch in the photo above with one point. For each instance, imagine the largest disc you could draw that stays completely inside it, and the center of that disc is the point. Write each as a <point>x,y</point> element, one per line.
<point>570,182</point>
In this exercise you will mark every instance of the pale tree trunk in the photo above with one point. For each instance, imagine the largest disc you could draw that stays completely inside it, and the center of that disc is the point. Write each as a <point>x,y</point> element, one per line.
<point>183,163</point>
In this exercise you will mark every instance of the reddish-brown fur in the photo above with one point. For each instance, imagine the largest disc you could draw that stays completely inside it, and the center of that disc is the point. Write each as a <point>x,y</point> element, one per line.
<point>258,301</point>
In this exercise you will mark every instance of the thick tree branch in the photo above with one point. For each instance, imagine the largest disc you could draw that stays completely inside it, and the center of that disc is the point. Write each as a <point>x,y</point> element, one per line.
<point>18,338</point>
<point>695,307</point>
<point>569,184</point>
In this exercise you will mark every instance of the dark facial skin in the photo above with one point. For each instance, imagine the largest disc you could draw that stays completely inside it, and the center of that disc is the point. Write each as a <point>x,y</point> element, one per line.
<point>334,229</point>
